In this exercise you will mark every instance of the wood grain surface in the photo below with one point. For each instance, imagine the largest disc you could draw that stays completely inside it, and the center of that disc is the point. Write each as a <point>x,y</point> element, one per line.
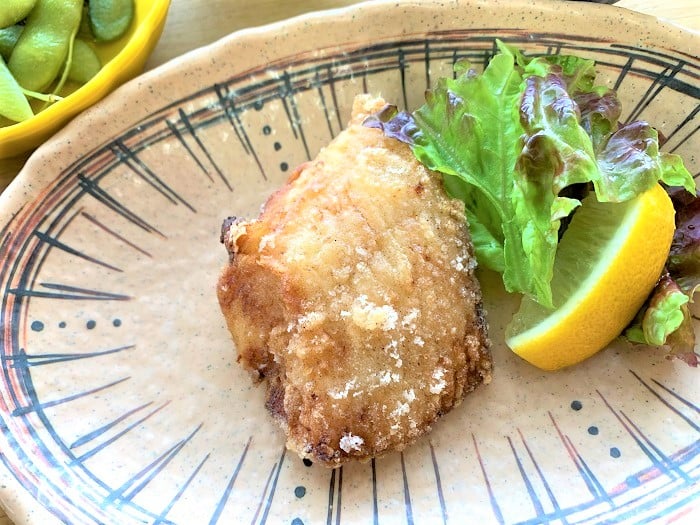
<point>193,23</point>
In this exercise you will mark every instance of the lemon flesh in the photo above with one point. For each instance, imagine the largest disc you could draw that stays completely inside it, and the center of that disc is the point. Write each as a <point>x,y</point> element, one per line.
<point>607,263</point>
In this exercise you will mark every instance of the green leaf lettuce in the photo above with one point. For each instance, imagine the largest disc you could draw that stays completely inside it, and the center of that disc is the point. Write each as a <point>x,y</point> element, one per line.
<point>514,140</point>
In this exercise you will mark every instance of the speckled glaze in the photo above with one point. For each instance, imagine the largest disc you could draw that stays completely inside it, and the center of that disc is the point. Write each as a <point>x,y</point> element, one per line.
<point>120,399</point>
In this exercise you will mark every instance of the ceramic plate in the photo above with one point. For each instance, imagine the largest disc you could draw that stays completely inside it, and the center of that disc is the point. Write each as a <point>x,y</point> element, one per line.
<point>120,398</point>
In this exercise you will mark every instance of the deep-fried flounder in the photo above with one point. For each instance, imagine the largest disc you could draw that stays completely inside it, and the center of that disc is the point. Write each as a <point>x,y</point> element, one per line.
<point>353,295</point>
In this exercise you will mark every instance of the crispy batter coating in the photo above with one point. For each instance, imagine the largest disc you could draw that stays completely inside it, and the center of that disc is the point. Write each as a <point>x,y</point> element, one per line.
<point>353,294</point>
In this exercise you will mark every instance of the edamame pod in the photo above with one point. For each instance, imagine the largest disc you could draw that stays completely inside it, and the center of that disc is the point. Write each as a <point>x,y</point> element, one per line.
<point>110,19</point>
<point>13,104</point>
<point>43,45</point>
<point>12,11</point>
<point>8,39</point>
<point>85,64</point>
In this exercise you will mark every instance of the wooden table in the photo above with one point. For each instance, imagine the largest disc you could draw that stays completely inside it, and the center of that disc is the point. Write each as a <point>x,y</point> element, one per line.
<point>193,23</point>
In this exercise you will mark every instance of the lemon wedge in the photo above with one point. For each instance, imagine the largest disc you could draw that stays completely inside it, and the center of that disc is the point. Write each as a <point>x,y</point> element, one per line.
<point>607,263</point>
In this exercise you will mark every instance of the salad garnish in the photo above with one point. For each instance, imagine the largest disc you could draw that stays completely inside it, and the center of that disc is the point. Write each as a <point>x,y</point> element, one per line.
<point>518,142</point>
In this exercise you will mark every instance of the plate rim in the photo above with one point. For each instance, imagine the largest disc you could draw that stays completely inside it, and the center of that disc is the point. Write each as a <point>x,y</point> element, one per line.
<point>27,191</point>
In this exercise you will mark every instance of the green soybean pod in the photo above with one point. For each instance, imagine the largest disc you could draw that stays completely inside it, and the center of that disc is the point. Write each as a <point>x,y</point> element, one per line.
<point>13,104</point>
<point>8,39</point>
<point>43,45</point>
<point>109,19</point>
<point>85,64</point>
<point>12,11</point>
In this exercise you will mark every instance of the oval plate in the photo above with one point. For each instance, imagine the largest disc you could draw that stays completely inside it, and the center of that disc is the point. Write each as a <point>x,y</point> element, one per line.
<point>120,399</point>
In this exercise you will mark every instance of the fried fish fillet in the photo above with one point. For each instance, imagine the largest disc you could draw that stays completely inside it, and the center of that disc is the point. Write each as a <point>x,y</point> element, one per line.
<point>353,295</point>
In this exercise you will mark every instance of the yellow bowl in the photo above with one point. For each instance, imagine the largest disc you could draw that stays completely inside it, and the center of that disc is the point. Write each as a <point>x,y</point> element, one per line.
<point>123,59</point>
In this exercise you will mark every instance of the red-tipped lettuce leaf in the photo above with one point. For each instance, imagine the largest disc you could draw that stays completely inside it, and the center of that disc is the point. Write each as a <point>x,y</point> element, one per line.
<point>665,321</point>
<point>684,258</point>
<point>510,142</point>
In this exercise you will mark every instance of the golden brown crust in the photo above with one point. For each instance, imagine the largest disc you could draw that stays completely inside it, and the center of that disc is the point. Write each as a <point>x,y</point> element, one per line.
<point>354,295</point>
